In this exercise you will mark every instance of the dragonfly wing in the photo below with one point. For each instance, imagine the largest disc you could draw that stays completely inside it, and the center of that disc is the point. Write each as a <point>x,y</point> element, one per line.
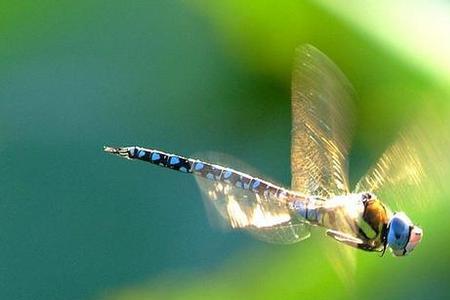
<point>288,233</point>
<point>321,117</point>
<point>321,114</point>
<point>265,216</point>
<point>412,171</point>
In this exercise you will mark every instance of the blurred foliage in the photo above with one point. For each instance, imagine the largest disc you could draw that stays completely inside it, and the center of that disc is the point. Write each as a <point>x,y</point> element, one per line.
<point>187,77</point>
<point>262,37</point>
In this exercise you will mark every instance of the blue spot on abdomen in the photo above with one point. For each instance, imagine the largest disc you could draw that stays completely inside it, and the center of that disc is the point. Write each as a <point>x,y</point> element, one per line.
<point>226,174</point>
<point>198,166</point>
<point>174,160</point>
<point>300,208</point>
<point>256,183</point>
<point>155,156</point>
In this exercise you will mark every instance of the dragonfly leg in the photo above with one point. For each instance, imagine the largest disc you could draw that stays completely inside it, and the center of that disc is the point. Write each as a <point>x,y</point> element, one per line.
<point>345,238</point>
<point>351,241</point>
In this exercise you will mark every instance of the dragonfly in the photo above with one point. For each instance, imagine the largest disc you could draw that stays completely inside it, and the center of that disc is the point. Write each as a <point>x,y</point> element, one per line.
<point>322,100</point>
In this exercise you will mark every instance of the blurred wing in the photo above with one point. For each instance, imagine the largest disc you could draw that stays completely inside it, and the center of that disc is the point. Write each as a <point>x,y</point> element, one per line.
<point>321,112</point>
<point>265,216</point>
<point>321,115</point>
<point>413,170</point>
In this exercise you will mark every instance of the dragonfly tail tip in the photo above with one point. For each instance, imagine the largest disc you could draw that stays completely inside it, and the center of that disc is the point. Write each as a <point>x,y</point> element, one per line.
<point>109,149</point>
<point>121,151</point>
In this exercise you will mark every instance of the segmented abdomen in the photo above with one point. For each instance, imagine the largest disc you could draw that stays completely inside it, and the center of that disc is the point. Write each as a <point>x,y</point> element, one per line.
<point>203,169</point>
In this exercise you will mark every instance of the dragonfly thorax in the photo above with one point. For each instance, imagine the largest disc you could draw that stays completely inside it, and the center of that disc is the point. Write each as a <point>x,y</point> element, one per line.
<point>360,216</point>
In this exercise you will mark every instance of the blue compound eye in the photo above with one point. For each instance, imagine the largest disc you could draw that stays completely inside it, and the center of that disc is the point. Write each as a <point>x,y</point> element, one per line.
<point>398,234</point>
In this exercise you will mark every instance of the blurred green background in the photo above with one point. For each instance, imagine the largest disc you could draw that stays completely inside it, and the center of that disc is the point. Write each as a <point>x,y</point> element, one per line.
<point>188,77</point>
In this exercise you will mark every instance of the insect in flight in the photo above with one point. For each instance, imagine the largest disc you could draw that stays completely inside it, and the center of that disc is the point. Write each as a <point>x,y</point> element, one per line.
<point>320,193</point>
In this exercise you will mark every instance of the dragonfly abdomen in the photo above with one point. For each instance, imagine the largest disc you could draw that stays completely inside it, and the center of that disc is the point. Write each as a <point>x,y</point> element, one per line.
<point>171,161</point>
<point>309,208</point>
<point>200,168</point>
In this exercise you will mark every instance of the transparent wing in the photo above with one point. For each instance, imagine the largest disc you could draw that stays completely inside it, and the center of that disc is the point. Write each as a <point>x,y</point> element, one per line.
<point>321,114</point>
<point>264,216</point>
<point>321,133</point>
<point>412,171</point>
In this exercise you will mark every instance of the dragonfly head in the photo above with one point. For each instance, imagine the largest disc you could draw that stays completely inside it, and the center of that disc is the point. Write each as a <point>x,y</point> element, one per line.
<point>402,235</point>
